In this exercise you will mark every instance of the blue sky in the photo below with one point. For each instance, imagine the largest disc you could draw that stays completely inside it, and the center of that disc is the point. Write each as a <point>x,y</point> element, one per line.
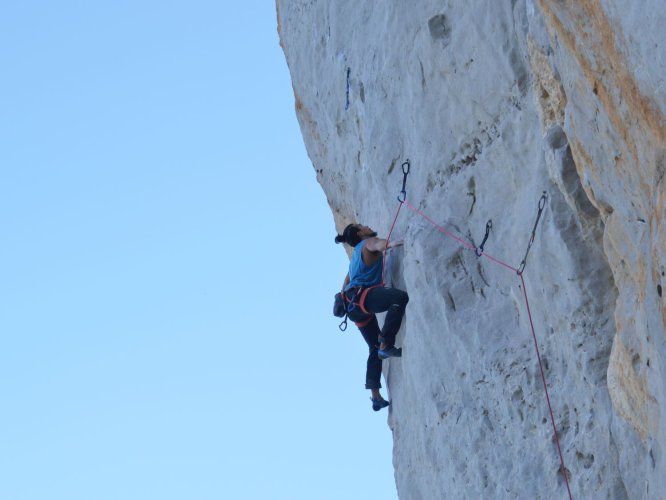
<point>167,266</point>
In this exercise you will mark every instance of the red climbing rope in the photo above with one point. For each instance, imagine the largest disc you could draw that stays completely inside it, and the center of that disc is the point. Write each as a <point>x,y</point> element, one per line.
<point>464,243</point>
<point>388,240</point>
<point>401,199</point>
<point>468,246</point>
<point>519,271</point>
<point>545,387</point>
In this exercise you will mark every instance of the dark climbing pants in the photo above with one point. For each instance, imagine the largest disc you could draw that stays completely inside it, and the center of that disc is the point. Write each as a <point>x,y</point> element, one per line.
<point>380,299</point>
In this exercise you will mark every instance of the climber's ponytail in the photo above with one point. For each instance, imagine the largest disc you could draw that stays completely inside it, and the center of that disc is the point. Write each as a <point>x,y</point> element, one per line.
<point>349,236</point>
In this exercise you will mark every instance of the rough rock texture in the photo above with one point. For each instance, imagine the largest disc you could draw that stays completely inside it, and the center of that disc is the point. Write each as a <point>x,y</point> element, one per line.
<point>493,103</point>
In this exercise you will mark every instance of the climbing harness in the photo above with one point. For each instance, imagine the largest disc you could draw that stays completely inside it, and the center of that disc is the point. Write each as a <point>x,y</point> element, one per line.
<point>359,294</point>
<point>345,304</point>
<point>480,252</point>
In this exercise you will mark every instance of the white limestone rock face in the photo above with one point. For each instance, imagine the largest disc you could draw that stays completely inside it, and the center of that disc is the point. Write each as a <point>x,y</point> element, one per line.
<point>494,103</point>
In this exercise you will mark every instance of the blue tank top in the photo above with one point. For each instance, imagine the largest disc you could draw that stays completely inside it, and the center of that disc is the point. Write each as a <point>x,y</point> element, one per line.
<point>359,273</point>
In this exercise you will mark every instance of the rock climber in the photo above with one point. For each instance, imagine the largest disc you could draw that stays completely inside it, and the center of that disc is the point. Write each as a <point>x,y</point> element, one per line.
<point>363,287</point>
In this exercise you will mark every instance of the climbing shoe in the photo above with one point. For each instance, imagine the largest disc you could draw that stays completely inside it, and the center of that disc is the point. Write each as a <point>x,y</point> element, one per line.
<point>378,404</point>
<point>389,352</point>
